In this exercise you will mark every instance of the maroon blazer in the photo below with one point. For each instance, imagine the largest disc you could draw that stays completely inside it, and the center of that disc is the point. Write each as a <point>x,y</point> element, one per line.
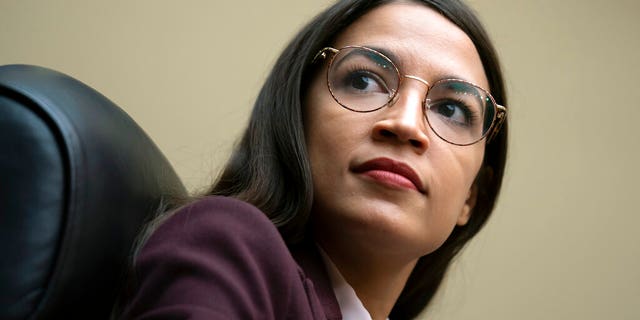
<point>221,258</point>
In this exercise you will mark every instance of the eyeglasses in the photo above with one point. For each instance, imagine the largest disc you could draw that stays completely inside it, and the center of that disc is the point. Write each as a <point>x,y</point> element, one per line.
<point>362,79</point>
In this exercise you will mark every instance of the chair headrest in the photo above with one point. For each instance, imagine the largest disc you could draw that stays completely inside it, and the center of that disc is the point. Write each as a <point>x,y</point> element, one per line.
<point>78,179</point>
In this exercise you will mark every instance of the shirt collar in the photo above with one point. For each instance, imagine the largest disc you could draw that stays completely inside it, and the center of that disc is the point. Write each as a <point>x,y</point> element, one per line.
<point>350,305</point>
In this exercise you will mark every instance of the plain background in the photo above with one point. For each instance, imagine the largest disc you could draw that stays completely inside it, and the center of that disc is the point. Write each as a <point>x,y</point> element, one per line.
<point>563,242</point>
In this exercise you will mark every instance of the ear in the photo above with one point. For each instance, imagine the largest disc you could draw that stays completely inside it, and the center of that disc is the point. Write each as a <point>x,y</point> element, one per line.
<point>469,204</point>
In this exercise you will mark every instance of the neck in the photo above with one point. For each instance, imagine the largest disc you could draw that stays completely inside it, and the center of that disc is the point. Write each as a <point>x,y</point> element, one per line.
<point>377,281</point>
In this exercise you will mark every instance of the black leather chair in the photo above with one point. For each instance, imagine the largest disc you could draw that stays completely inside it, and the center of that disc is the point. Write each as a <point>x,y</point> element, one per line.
<point>78,180</point>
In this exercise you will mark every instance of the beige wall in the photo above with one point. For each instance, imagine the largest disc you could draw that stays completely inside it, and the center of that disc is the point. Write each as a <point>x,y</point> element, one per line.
<point>564,241</point>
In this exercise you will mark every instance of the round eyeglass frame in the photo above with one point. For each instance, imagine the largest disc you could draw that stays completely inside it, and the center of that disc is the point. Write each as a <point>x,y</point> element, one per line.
<point>499,116</point>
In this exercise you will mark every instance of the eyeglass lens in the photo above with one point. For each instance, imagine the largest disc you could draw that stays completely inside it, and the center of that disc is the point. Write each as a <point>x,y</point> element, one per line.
<point>362,80</point>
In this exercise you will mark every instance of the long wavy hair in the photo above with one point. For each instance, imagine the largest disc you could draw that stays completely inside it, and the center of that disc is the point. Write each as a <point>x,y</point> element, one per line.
<point>270,169</point>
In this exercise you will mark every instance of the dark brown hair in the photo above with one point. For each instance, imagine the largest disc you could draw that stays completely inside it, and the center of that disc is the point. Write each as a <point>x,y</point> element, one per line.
<point>270,168</point>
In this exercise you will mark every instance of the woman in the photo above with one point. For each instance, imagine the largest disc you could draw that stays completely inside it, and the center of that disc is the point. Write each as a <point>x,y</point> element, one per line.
<point>373,154</point>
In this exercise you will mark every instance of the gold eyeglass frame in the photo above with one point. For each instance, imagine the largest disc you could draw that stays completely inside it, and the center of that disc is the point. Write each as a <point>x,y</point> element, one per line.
<point>499,116</point>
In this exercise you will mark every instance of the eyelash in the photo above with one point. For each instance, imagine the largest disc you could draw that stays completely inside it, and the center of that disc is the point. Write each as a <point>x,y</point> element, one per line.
<point>470,116</point>
<point>363,69</point>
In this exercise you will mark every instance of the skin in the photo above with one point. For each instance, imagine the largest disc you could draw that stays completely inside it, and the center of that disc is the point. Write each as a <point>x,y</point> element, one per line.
<point>375,231</point>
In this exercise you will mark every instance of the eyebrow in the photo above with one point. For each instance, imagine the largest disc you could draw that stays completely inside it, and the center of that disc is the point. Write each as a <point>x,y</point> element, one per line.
<point>387,53</point>
<point>371,56</point>
<point>459,86</point>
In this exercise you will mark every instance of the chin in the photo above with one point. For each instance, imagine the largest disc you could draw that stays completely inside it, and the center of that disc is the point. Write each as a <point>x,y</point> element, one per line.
<point>380,225</point>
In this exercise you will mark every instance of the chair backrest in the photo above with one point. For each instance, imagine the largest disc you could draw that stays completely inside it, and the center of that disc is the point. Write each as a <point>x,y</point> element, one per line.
<point>78,180</point>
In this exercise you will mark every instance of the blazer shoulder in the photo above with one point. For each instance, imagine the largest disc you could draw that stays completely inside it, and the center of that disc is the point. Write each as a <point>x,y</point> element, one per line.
<point>216,221</point>
<point>220,255</point>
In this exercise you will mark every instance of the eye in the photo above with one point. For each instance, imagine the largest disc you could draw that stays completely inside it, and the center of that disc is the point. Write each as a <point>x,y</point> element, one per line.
<point>363,81</point>
<point>453,111</point>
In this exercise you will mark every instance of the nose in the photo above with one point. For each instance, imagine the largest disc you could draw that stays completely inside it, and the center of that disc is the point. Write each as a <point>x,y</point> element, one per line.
<point>404,120</point>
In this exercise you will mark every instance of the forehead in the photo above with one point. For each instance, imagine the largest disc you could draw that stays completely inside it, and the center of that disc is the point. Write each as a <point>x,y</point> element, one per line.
<point>423,42</point>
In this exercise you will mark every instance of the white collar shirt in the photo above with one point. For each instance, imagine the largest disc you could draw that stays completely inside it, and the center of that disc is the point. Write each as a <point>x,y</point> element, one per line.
<point>350,305</point>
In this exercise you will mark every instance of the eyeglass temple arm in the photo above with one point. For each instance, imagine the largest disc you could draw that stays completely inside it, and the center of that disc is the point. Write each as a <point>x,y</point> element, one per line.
<point>323,53</point>
<point>502,116</point>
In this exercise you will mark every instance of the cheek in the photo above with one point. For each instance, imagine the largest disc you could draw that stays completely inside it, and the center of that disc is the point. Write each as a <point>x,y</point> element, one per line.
<point>330,143</point>
<point>332,133</point>
<point>455,168</point>
<point>453,176</point>
<point>322,132</point>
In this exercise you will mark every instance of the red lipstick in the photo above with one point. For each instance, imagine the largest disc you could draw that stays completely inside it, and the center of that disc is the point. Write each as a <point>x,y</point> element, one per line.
<point>389,171</point>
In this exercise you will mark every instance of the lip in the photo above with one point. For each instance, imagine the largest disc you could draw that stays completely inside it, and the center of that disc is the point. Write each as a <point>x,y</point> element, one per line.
<point>392,172</point>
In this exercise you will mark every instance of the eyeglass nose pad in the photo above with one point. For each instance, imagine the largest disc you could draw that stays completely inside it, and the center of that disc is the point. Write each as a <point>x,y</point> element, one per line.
<point>426,84</point>
<point>396,126</point>
<point>423,105</point>
<point>393,97</point>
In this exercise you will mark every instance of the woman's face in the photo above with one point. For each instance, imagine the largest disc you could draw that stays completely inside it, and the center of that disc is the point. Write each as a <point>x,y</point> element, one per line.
<point>362,162</point>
